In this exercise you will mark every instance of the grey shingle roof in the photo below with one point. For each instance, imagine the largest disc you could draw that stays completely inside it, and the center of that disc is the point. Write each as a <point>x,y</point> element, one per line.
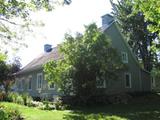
<point>41,60</point>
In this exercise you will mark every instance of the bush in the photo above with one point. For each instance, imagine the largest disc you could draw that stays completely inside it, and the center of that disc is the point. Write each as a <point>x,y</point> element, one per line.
<point>9,114</point>
<point>12,97</point>
<point>59,105</point>
<point>48,105</point>
<point>23,99</point>
<point>121,98</point>
<point>19,100</point>
<point>36,104</point>
<point>15,97</point>
<point>2,96</point>
<point>27,99</point>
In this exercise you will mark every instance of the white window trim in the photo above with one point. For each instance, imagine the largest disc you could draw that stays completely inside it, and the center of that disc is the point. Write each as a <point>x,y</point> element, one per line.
<point>28,83</point>
<point>103,86</point>
<point>126,57</point>
<point>49,88</point>
<point>38,74</point>
<point>130,80</point>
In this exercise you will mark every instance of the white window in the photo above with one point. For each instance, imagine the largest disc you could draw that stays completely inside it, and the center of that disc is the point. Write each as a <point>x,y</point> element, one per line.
<point>30,83</point>
<point>124,57</point>
<point>153,82</point>
<point>51,85</point>
<point>127,80</point>
<point>100,83</point>
<point>39,81</point>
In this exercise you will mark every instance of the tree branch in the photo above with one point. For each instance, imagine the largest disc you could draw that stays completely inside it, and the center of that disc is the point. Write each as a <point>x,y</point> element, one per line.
<point>13,23</point>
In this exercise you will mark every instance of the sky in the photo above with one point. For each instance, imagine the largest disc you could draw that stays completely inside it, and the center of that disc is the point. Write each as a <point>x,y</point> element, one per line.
<point>62,19</point>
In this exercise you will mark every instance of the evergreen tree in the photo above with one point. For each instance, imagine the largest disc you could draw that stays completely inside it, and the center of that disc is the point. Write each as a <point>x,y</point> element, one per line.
<point>134,27</point>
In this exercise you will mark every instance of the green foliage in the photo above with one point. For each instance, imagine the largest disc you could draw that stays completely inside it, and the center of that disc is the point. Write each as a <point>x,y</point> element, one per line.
<point>9,114</point>
<point>2,96</point>
<point>47,105</point>
<point>2,57</point>
<point>11,97</point>
<point>156,72</point>
<point>23,99</point>
<point>27,99</point>
<point>151,10</point>
<point>19,100</point>
<point>134,26</point>
<point>6,73</point>
<point>59,105</point>
<point>86,58</point>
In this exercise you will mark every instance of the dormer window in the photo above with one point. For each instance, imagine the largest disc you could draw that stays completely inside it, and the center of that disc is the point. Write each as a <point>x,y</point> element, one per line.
<point>124,57</point>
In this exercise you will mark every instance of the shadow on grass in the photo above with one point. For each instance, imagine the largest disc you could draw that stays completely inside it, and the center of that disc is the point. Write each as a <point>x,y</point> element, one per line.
<point>142,109</point>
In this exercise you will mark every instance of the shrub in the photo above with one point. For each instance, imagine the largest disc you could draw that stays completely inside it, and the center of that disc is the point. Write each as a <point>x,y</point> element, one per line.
<point>3,114</point>
<point>36,104</point>
<point>19,100</point>
<point>27,99</point>
<point>59,105</point>
<point>2,96</point>
<point>15,97</point>
<point>23,99</point>
<point>12,96</point>
<point>48,105</point>
<point>9,114</point>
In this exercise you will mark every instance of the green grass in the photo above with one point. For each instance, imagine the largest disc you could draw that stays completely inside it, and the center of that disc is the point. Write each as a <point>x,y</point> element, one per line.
<point>31,113</point>
<point>146,108</point>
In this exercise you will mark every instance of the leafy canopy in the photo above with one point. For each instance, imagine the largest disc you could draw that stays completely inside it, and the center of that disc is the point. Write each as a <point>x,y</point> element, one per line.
<point>86,58</point>
<point>151,10</point>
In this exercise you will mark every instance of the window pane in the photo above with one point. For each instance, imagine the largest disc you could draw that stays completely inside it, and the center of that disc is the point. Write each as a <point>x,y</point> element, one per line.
<point>128,80</point>
<point>124,57</point>
<point>39,81</point>
<point>51,85</point>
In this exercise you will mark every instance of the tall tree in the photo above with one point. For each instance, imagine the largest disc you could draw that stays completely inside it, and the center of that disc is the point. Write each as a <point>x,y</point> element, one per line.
<point>87,58</point>
<point>134,26</point>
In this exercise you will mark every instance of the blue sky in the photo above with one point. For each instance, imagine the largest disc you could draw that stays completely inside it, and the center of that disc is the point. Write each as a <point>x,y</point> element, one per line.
<point>63,19</point>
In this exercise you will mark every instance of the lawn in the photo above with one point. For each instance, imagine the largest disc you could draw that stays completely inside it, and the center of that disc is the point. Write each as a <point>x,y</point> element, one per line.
<point>146,108</point>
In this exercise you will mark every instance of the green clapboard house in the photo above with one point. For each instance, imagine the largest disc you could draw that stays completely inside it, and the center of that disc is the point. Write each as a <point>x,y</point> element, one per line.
<point>31,78</point>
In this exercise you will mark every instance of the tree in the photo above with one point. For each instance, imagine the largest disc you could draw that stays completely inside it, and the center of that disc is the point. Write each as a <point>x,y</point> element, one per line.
<point>2,57</point>
<point>151,11</point>
<point>15,14</point>
<point>7,73</point>
<point>87,58</point>
<point>134,26</point>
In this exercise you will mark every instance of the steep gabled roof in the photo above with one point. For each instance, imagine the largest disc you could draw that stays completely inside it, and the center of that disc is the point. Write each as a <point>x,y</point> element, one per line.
<point>39,61</point>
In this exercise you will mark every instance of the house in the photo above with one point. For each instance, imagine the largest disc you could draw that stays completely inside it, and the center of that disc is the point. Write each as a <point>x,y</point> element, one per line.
<point>31,78</point>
